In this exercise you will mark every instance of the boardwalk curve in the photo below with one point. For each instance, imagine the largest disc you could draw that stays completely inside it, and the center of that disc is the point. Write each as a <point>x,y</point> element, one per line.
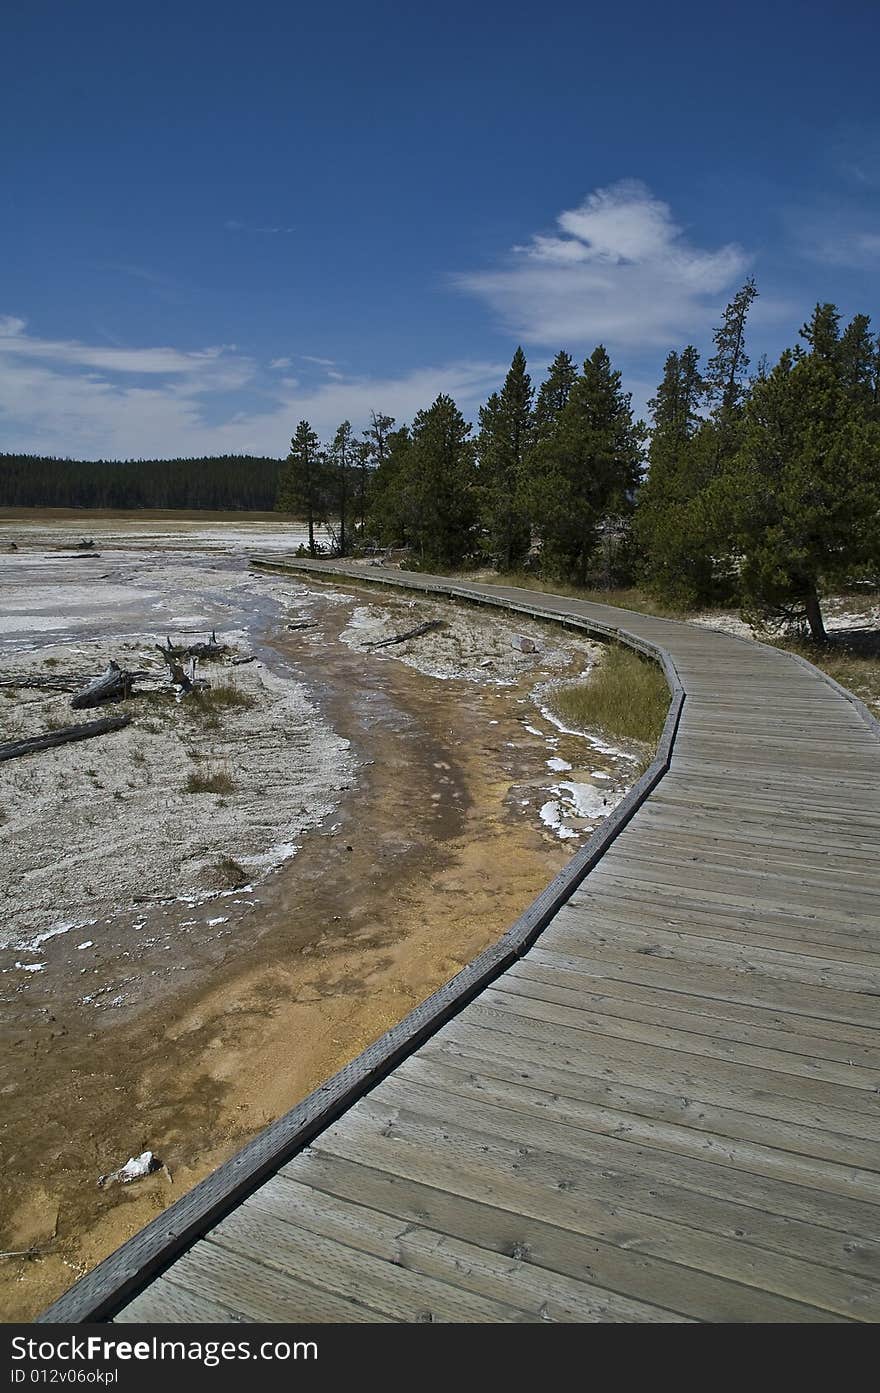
<point>658,1098</point>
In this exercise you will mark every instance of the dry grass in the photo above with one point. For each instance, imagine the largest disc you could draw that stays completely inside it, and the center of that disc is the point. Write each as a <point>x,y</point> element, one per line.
<point>625,696</point>
<point>858,671</point>
<point>217,780</point>
<point>228,874</point>
<point>631,598</point>
<point>225,696</point>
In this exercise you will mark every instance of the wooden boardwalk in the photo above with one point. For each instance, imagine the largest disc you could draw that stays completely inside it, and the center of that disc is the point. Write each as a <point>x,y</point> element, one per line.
<point>668,1109</point>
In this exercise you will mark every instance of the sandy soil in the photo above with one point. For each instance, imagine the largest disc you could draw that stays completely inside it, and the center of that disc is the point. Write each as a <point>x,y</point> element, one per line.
<point>230,1010</point>
<point>841,613</point>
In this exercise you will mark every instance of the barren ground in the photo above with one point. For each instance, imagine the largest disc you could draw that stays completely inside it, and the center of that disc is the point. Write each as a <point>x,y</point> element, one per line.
<point>394,810</point>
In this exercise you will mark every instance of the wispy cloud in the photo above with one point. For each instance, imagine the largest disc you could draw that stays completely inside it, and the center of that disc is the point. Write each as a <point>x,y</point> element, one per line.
<point>235,225</point>
<point>618,269</point>
<point>216,368</point>
<point>832,243</point>
<point>280,362</point>
<point>70,398</point>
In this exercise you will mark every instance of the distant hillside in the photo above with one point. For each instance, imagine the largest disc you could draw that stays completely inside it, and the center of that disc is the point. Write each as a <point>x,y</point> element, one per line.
<point>226,482</point>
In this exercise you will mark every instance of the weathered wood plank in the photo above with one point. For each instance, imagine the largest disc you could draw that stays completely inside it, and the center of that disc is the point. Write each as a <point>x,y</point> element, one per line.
<point>287,1207</point>
<point>574,975</point>
<point>633,1105</point>
<point>398,1291</point>
<point>777,1163</point>
<point>518,985</point>
<point>727,1239</point>
<point>626,1270</point>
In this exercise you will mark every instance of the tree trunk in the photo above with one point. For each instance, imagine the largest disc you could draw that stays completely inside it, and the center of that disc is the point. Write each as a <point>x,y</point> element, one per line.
<point>814,619</point>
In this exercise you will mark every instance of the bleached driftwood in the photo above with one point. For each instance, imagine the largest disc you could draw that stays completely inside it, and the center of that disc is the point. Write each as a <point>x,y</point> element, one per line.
<point>113,685</point>
<point>13,748</point>
<point>211,650</point>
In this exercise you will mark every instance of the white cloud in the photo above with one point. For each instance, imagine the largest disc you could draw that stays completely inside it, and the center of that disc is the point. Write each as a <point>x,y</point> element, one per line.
<point>280,362</point>
<point>75,399</point>
<point>620,270</point>
<point>217,364</point>
<point>831,244</point>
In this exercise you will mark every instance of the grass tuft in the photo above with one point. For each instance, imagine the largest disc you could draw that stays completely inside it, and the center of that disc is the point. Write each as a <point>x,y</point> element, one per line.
<point>217,780</point>
<point>625,696</point>
<point>225,697</point>
<point>228,874</point>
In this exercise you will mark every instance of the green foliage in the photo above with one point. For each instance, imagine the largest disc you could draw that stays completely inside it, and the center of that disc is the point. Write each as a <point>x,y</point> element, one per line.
<point>682,530</point>
<point>304,488</point>
<point>390,510</point>
<point>554,394</point>
<point>585,470</point>
<point>440,485</point>
<point>669,525</point>
<point>803,490</point>
<point>220,483</point>
<point>503,445</point>
<point>340,479</point>
<point>726,370</point>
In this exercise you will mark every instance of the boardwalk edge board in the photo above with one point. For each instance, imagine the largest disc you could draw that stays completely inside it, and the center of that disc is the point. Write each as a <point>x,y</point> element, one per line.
<point>111,1285</point>
<point>866,714</point>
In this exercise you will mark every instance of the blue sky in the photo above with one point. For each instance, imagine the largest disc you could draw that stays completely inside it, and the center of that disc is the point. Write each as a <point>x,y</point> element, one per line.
<point>220,218</point>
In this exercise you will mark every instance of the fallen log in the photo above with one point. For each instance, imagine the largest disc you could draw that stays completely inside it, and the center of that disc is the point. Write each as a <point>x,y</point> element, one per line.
<point>13,748</point>
<point>410,633</point>
<point>71,682</point>
<point>113,685</point>
<point>44,684</point>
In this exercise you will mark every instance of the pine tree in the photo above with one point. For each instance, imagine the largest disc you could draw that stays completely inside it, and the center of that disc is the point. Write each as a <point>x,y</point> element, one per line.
<point>502,446</point>
<point>367,455</point>
<point>726,369</point>
<point>361,457</point>
<point>342,460</point>
<point>553,395</point>
<point>803,490</point>
<point>858,359</point>
<point>441,476</point>
<point>669,522</point>
<point>303,489</point>
<point>377,436</point>
<point>586,470</point>
<point>391,506</point>
<point>822,333</point>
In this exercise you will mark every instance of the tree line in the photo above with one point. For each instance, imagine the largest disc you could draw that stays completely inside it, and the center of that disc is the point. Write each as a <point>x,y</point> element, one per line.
<point>760,488</point>
<point>219,483</point>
